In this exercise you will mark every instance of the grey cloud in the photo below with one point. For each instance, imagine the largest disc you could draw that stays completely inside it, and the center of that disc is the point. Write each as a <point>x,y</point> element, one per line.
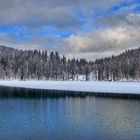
<point>47,12</point>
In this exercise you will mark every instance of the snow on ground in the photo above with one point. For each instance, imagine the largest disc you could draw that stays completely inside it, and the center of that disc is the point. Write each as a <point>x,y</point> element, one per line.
<point>88,86</point>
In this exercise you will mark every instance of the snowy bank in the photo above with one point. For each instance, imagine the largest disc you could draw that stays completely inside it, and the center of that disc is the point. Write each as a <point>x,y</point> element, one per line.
<point>82,86</point>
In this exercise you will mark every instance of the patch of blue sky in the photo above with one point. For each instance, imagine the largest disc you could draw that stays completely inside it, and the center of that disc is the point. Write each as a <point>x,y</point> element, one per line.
<point>80,18</point>
<point>52,31</point>
<point>136,9</point>
<point>100,13</point>
<point>120,6</point>
<point>138,1</point>
<point>17,32</point>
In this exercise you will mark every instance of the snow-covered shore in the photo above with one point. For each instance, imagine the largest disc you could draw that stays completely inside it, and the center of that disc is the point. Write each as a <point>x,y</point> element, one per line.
<point>82,86</point>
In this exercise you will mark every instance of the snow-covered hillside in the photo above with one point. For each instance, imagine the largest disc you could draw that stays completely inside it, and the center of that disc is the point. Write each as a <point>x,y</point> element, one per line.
<point>41,65</point>
<point>82,86</point>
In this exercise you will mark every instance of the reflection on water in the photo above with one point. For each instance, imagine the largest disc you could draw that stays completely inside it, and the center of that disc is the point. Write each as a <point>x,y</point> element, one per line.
<point>51,117</point>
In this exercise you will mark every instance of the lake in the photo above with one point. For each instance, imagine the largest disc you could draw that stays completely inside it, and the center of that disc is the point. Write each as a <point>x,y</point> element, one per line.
<point>49,115</point>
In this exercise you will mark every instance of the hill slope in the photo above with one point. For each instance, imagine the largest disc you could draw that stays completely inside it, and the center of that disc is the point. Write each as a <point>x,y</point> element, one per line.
<point>125,66</point>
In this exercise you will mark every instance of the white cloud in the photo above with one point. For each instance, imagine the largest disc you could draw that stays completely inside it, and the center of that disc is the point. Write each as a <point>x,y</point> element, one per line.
<point>105,41</point>
<point>120,30</point>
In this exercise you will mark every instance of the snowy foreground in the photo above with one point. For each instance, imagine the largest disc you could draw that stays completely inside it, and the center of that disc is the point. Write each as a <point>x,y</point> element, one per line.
<point>91,86</point>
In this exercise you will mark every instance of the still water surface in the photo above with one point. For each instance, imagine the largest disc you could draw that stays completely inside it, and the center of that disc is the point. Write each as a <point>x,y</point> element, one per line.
<point>66,117</point>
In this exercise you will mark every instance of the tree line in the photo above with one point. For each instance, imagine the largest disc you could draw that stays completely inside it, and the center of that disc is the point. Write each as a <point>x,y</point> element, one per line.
<point>124,67</point>
<point>41,65</point>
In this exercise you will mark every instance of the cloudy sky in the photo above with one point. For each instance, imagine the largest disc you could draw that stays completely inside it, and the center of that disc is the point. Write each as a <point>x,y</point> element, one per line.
<point>80,28</point>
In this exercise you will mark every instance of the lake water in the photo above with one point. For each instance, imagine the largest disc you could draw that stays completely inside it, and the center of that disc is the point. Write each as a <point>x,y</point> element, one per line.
<point>47,115</point>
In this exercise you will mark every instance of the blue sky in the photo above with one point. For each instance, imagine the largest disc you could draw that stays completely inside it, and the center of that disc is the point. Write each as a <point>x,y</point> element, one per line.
<point>89,29</point>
